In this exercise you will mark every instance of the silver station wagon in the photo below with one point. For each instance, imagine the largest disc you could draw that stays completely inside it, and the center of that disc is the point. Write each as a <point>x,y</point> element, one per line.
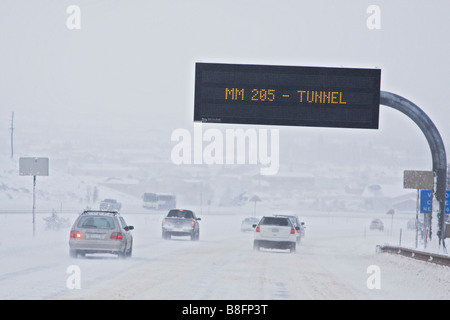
<point>100,232</point>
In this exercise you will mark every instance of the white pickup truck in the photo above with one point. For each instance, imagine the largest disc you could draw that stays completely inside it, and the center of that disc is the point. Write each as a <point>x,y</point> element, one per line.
<point>110,205</point>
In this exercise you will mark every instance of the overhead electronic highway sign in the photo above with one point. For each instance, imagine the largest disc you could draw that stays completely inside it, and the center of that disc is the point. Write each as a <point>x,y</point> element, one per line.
<point>285,95</point>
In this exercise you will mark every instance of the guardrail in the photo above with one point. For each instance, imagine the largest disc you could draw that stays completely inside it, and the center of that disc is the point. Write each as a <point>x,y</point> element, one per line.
<point>436,258</point>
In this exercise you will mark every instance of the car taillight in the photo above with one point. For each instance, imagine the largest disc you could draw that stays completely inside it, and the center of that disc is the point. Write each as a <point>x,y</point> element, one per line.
<point>164,221</point>
<point>193,223</point>
<point>292,231</point>
<point>116,236</point>
<point>75,234</point>
<point>257,228</point>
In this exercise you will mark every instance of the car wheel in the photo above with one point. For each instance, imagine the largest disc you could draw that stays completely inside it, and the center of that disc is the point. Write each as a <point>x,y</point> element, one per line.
<point>130,251</point>
<point>73,253</point>
<point>122,254</point>
<point>165,235</point>
<point>195,236</point>
<point>293,249</point>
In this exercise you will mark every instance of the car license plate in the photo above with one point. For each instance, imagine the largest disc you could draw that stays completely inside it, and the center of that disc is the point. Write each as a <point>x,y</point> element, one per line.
<point>96,236</point>
<point>275,230</point>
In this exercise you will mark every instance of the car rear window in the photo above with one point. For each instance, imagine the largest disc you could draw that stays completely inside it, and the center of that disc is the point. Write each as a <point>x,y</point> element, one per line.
<point>96,222</point>
<point>180,214</point>
<point>275,221</point>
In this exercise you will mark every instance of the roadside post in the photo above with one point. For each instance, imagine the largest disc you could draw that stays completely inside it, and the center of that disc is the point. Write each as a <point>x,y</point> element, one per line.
<point>33,167</point>
<point>255,199</point>
<point>391,212</point>
<point>420,180</point>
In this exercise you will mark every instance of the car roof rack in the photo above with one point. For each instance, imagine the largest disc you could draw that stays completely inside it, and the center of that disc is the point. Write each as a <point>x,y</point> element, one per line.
<point>105,212</point>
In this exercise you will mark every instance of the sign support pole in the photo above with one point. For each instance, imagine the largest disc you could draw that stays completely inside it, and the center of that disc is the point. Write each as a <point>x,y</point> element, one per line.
<point>417,218</point>
<point>34,206</point>
<point>430,219</point>
<point>33,167</point>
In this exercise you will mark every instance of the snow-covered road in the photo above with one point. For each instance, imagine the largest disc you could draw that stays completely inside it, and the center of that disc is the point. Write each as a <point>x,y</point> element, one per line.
<point>331,263</point>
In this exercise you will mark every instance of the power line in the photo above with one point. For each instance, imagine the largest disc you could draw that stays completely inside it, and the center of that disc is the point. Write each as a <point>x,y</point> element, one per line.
<point>12,135</point>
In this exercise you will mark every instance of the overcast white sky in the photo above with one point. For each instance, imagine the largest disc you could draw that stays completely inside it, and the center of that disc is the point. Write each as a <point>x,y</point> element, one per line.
<point>129,70</point>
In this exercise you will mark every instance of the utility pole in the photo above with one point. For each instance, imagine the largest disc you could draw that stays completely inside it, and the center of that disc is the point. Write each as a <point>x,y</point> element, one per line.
<point>12,135</point>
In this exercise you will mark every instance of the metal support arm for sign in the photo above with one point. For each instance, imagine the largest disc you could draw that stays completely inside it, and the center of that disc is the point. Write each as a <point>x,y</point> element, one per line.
<point>436,144</point>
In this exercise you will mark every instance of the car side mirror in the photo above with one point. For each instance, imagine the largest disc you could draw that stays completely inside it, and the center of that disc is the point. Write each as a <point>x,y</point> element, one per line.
<point>254,225</point>
<point>128,228</point>
<point>198,219</point>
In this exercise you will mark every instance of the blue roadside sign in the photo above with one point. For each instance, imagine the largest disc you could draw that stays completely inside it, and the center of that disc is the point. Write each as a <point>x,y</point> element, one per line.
<point>425,201</point>
<point>447,202</point>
